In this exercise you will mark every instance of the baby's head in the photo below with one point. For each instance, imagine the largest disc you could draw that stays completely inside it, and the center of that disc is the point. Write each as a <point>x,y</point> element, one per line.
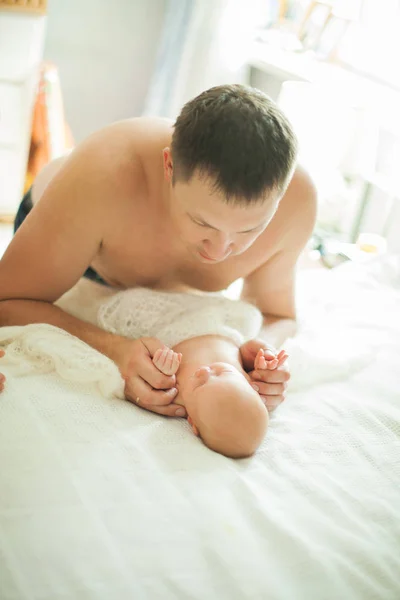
<point>225,411</point>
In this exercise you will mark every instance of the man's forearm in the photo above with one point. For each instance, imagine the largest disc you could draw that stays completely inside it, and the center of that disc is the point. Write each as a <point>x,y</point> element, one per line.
<point>24,312</point>
<point>275,330</point>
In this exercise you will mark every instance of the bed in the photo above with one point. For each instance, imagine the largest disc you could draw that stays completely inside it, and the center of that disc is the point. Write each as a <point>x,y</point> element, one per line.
<point>101,500</point>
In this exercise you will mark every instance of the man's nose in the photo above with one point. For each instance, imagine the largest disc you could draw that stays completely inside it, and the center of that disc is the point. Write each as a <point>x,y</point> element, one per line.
<point>218,246</point>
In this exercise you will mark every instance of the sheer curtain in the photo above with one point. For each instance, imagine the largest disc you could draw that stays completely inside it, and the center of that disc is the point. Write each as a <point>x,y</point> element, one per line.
<point>203,43</point>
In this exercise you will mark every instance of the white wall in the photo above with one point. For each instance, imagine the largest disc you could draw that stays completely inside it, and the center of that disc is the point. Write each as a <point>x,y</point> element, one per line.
<point>105,51</point>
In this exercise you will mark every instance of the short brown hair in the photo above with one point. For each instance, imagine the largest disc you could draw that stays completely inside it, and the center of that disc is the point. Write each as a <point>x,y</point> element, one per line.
<point>236,136</point>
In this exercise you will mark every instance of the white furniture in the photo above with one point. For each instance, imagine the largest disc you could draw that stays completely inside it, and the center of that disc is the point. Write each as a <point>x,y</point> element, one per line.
<point>21,51</point>
<point>373,154</point>
<point>270,66</point>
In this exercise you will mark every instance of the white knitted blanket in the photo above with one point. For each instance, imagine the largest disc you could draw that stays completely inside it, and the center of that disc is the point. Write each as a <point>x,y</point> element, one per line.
<point>174,317</point>
<point>324,348</point>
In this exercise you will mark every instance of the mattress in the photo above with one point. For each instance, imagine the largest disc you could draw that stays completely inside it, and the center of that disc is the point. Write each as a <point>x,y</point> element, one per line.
<point>102,500</point>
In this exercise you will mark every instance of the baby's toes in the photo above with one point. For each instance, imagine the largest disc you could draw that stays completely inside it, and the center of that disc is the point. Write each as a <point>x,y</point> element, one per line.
<point>283,359</point>
<point>176,361</point>
<point>272,364</point>
<point>168,361</point>
<point>260,362</point>
<point>162,360</point>
<point>157,354</point>
<point>157,359</point>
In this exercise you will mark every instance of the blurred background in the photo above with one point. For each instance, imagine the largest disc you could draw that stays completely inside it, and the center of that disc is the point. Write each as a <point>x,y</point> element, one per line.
<point>70,68</point>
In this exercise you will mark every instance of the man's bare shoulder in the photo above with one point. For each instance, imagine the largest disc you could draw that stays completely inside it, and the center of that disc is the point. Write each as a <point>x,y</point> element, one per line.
<point>139,132</point>
<point>113,160</point>
<point>143,127</point>
<point>110,166</point>
<point>121,142</point>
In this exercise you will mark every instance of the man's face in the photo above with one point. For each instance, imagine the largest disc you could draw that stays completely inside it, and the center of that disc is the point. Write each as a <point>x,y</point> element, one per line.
<point>211,229</point>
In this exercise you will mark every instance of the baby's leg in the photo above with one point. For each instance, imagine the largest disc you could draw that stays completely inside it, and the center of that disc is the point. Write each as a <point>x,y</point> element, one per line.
<point>2,377</point>
<point>167,361</point>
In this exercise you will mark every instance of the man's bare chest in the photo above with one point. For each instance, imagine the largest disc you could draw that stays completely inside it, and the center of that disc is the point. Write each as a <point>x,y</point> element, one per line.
<point>149,258</point>
<point>141,250</point>
<point>159,268</point>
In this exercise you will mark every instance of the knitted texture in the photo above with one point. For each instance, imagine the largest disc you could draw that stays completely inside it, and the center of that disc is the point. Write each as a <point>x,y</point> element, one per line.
<point>174,317</point>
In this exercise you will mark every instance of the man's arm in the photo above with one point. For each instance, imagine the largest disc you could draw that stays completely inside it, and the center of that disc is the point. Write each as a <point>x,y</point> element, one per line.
<point>272,286</point>
<point>53,247</point>
<point>50,252</point>
<point>24,312</point>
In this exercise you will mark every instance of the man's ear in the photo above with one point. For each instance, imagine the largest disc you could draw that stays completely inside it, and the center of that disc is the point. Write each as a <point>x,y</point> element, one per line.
<point>193,426</point>
<point>167,163</point>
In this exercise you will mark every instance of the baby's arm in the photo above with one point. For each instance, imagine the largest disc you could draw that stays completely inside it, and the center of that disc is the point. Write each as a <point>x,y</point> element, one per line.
<point>167,361</point>
<point>2,377</point>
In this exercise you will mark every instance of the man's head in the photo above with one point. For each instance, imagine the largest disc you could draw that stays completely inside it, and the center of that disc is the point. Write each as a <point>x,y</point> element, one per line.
<point>232,153</point>
<point>225,411</point>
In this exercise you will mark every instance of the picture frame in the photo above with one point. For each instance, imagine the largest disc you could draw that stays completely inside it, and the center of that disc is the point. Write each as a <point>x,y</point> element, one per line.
<point>313,24</point>
<point>333,31</point>
<point>290,13</point>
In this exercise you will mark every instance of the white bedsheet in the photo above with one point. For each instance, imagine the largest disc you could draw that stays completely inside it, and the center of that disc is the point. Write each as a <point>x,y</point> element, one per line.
<point>101,500</point>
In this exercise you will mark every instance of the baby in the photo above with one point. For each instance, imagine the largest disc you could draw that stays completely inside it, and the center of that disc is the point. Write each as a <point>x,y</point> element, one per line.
<point>209,345</point>
<point>223,408</point>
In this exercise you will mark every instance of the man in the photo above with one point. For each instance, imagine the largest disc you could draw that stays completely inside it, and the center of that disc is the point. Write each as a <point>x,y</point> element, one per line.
<point>196,205</point>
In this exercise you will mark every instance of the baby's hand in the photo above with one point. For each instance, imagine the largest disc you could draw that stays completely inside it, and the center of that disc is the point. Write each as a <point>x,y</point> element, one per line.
<point>265,359</point>
<point>167,361</point>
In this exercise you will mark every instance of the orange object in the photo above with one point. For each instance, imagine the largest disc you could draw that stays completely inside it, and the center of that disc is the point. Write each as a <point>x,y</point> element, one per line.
<point>50,135</point>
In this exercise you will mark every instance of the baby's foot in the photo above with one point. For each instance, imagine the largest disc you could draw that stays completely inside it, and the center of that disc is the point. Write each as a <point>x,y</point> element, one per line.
<point>265,359</point>
<point>167,361</point>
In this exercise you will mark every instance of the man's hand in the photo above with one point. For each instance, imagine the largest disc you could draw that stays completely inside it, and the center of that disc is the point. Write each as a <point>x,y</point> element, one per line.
<point>145,385</point>
<point>266,369</point>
